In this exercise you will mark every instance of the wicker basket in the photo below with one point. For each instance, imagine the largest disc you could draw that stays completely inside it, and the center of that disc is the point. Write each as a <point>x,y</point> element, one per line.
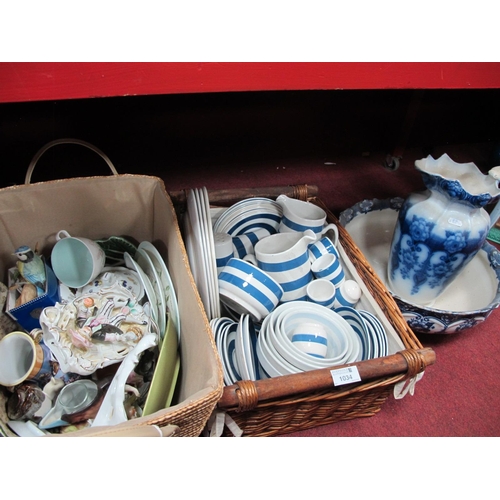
<point>302,401</point>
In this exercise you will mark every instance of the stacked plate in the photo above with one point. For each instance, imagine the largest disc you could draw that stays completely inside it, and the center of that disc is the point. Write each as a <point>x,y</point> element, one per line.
<point>200,248</point>
<point>250,214</point>
<point>236,343</point>
<point>158,288</point>
<point>369,329</point>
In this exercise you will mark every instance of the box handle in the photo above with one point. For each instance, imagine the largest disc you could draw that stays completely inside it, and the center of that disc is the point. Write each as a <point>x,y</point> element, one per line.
<point>47,146</point>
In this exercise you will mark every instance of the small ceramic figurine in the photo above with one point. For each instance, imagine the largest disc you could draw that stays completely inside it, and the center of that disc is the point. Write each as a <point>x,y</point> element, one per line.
<point>31,267</point>
<point>25,401</point>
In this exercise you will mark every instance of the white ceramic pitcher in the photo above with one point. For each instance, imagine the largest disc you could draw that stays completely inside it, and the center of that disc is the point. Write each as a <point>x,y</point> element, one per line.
<point>285,257</point>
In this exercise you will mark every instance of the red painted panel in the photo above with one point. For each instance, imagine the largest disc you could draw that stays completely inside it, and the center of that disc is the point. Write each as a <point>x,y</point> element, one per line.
<point>53,81</point>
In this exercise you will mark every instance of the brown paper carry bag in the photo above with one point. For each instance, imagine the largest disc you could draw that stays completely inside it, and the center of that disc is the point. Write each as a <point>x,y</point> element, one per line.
<point>137,206</point>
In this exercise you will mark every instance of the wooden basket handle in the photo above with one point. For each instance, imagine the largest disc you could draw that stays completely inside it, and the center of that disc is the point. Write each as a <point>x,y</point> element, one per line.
<point>246,395</point>
<point>47,146</point>
<point>227,197</point>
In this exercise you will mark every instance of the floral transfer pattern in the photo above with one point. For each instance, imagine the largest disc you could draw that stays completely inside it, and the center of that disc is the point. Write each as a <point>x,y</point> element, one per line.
<point>427,258</point>
<point>454,190</point>
<point>422,319</point>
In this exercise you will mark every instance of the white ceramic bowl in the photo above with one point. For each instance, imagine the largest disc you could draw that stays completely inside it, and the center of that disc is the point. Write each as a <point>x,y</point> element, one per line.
<point>273,363</point>
<point>246,289</point>
<point>343,344</point>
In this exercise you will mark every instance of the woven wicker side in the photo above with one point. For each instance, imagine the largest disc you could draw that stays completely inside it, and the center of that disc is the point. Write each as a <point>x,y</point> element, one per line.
<point>302,401</point>
<point>311,410</point>
<point>281,405</point>
<point>380,293</point>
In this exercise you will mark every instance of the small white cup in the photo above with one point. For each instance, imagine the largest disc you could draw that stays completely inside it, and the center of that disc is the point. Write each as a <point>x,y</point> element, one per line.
<point>321,247</point>
<point>244,244</point>
<point>328,267</point>
<point>223,244</point>
<point>348,294</point>
<point>311,338</point>
<point>76,261</point>
<point>322,292</point>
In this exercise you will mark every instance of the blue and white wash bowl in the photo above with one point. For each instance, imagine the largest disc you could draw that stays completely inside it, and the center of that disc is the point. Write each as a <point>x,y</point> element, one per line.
<point>471,298</point>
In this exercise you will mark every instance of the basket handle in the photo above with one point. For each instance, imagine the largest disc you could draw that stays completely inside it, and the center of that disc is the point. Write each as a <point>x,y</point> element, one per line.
<point>47,146</point>
<point>245,395</point>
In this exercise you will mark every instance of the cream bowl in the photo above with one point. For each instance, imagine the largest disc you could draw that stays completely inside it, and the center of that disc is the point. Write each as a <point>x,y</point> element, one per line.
<point>343,344</point>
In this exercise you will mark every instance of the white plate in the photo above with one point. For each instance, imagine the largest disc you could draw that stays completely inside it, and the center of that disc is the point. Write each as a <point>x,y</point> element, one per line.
<point>358,324</point>
<point>248,347</point>
<point>144,260</point>
<point>195,251</point>
<point>230,353</point>
<point>146,283</point>
<point>166,283</point>
<point>125,277</point>
<point>210,257</point>
<point>204,254</point>
<point>243,364</point>
<point>229,220</point>
<point>380,336</point>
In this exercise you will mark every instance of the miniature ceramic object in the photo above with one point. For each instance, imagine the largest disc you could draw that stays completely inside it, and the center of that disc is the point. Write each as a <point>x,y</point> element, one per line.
<point>95,330</point>
<point>440,230</point>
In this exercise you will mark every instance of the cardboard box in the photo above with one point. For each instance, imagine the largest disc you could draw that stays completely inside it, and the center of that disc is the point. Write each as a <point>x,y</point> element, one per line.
<point>138,207</point>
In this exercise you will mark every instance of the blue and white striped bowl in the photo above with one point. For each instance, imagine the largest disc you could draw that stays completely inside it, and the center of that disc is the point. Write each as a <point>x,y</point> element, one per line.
<point>247,289</point>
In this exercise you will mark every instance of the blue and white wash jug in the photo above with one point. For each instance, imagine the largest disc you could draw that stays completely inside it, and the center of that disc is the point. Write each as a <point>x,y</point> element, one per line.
<point>440,230</point>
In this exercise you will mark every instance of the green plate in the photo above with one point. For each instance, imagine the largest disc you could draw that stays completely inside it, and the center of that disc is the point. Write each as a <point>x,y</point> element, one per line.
<point>166,373</point>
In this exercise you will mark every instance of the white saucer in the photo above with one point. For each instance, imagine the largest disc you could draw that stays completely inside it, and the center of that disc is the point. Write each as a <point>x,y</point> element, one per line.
<point>144,260</point>
<point>166,283</point>
<point>146,283</point>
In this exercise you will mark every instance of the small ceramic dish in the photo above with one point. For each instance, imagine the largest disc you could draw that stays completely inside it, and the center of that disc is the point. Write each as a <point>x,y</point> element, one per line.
<point>470,299</point>
<point>110,275</point>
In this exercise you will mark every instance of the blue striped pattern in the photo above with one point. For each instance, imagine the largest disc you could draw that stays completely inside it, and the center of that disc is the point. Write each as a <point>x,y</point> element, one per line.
<point>299,227</point>
<point>298,283</point>
<point>283,266</point>
<point>223,261</point>
<point>340,300</point>
<point>308,337</point>
<point>322,247</point>
<point>248,225</point>
<point>249,289</point>
<point>239,247</point>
